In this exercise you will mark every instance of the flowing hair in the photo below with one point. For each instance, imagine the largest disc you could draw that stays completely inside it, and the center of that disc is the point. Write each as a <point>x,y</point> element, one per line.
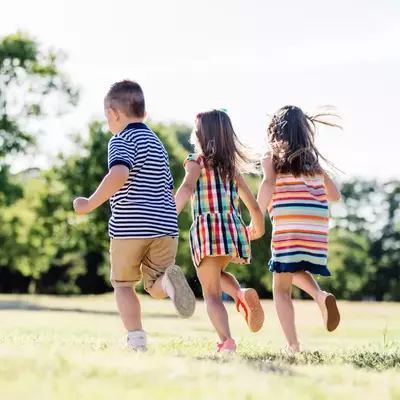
<point>291,140</point>
<point>215,138</point>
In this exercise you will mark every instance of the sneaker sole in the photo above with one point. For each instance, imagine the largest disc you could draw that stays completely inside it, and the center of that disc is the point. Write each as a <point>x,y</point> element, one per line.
<point>333,315</point>
<point>255,319</point>
<point>184,300</point>
<point>227,352</point>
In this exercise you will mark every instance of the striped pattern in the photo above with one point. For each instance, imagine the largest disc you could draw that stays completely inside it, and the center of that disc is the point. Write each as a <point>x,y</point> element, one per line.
<point>217,227</point>
<point>300,218</point>
<point>143,207</point>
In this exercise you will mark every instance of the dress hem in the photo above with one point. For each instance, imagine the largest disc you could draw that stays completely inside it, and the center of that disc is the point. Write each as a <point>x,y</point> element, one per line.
<point>235,259</point>
<point>291,267</point>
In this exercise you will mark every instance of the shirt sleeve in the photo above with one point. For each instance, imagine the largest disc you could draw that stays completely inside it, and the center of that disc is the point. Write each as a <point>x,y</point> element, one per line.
<point>121,152</point>
<point>171,181</point>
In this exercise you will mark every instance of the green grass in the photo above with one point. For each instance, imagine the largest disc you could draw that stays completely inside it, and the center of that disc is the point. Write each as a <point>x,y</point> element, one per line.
<point>73,348</point>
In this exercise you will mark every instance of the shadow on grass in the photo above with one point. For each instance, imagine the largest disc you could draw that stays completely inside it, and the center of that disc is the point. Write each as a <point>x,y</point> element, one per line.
<point>377,360</point>
<point>276,363</point>
<point>19,305</point>
<point>258,364</point>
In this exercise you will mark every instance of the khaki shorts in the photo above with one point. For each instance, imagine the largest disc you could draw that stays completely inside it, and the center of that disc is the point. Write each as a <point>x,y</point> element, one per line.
<point>134,259</point>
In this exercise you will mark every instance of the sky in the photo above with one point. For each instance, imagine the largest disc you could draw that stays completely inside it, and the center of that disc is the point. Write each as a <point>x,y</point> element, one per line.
<point>250,57</point>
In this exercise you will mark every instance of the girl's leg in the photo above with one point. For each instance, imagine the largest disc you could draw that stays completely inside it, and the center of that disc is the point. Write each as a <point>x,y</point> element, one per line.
<point>282,288</point>
<point>306,282</point>
<point>229,284</point>
<point>326,301</point>
<point>247,301</point>
<point>209,274</point>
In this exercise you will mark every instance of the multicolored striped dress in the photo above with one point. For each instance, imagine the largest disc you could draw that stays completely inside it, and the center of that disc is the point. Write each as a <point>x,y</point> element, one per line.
<point>218,228</point>
<point>300,221</point>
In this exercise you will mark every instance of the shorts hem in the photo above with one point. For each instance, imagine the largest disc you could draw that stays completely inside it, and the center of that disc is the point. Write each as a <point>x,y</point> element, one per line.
<point>118,284</point>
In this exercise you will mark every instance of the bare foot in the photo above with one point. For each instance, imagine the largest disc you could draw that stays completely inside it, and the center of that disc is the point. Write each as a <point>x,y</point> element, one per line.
<point>329,310</point>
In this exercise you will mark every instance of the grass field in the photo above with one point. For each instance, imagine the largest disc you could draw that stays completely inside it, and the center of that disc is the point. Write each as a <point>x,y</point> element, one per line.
<point>73,348</point>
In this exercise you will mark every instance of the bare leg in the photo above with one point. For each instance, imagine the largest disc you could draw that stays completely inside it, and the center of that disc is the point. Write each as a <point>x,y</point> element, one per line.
<point>306,282</point>
<point>229,284</point>
<point>326,301</point>
<point>129,308</point>
<point>282,288</point>
<point>209,273</point>
<point>156,290</point>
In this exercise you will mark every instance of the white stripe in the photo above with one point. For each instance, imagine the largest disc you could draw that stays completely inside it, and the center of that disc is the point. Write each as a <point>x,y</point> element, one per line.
<point>143,207</point>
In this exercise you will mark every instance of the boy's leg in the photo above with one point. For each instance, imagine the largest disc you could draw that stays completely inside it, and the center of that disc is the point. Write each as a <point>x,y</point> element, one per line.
<point>247,301</point>
<point>126,255</point>
<point>326,301</point>
<point>162,278</point>
<point>129,308</point>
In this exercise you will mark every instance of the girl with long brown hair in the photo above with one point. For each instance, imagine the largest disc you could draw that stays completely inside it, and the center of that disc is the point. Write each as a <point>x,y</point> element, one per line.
<point>296,191</point>
<point>218,235</point>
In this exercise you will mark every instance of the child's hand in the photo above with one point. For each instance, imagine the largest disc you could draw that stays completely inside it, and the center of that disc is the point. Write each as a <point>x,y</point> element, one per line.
<point>81,205</point>
<point>254,235</point>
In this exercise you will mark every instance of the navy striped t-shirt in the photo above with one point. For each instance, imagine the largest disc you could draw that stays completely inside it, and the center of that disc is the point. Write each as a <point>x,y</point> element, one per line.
<point>144,206</point>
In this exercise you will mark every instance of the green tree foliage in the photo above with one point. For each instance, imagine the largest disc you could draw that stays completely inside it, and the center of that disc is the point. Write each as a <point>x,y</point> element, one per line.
<point>46,248</point>
<point>63,253</point>
<point>30,77</point>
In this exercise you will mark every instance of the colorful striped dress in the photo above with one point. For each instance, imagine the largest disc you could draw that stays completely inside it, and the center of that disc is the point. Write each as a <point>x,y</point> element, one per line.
<point>218,228</point>
<point>300,221</point>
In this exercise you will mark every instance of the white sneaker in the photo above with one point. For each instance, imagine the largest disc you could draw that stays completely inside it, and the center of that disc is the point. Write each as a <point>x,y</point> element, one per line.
<point>137,340</point>
<point>176,287</point>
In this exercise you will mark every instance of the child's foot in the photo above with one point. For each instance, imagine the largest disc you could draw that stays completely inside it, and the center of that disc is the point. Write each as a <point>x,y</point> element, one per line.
<point>291,350</point>
<point>229,346</point>
<point>248,304</point>
<point>137,340</point>
<point>330,312</point>
<point>179,291</point>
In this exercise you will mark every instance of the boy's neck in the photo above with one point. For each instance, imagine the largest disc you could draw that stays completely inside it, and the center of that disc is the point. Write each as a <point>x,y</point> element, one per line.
<point>133,121</point>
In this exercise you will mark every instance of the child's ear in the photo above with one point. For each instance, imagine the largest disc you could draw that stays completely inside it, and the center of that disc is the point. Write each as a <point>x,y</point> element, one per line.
<point>145,115</point>
<point>115,114</point>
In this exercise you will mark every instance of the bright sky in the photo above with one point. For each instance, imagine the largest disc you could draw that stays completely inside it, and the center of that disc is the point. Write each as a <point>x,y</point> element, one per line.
<point>249,56</point>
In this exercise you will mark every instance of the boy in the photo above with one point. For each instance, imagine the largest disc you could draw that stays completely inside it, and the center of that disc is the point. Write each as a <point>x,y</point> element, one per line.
<point>143,227</point>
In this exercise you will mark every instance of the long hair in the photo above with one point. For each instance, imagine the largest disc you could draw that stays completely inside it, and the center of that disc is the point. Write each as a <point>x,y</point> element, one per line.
<point>291,140</point>
<point>215,138</point>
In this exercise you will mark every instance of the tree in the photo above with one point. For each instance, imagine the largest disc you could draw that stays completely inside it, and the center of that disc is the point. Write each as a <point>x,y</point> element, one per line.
<point>369,225</point>
<point>29,77</point>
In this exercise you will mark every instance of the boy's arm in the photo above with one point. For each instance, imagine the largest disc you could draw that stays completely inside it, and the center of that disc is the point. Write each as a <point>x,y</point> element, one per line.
<point>112,182</point>
<point>332,191</point>
<point>267,186</point>
<point>250,202</point>
<point>120,161</point>
<point>184,193</point>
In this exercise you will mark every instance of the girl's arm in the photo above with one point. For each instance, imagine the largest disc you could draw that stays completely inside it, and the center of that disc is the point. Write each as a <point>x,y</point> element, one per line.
<point>250,202</point>
<point>267,186</point>
<point>332,191</point>
<point>184,193</point>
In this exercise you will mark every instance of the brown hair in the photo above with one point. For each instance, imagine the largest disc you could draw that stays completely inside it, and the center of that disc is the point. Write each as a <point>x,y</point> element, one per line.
<point>291,139</point>
<point>221,148</point>
<point>126,96</point>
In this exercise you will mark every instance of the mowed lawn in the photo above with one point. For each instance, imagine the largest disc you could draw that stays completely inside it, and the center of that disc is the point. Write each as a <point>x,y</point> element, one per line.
<point>73,348</point>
